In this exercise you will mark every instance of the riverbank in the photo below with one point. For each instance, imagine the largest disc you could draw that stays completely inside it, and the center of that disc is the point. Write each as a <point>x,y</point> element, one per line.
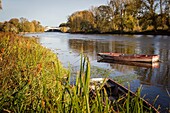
<point>158,32</point>
<point>149,32</point>
<point>30,75</point>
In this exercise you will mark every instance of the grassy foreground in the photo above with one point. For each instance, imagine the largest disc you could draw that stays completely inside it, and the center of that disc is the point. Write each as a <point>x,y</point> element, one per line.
<point>30,75</point>
<point>33,80</point>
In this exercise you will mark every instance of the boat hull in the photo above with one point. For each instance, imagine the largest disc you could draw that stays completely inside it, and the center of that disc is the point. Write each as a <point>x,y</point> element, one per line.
<point>138,64</point>
<point>129,58</point>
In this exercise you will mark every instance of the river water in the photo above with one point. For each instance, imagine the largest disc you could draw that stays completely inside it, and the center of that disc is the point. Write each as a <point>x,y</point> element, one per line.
<point>154,81</point>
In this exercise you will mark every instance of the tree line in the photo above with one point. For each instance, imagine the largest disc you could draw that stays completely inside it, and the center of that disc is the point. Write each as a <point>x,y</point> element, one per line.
<point>21,25</point>
<point>122,16</point>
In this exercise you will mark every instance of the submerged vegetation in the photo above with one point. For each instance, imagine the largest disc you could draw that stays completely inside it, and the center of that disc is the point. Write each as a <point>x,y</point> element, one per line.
<point>33,80</point>
<point>125,78</point>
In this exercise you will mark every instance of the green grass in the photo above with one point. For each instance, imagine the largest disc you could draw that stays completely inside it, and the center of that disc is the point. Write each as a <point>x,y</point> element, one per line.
<point>32,79</point>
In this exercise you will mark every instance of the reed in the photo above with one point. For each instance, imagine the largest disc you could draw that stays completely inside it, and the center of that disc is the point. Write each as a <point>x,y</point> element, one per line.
<point>33,80</point>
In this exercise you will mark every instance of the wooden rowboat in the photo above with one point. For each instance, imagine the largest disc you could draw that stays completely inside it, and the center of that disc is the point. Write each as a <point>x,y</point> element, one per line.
<point>115,91</point>
<point>129,58</point>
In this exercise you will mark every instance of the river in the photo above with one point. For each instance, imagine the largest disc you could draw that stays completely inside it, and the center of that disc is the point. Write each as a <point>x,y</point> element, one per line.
<point>154,81</point>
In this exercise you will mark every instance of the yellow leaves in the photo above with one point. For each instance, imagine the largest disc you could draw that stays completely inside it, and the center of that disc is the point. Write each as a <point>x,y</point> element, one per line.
<point>2,50</point>
<point>81,20</point>
<point>38,69</point>
<point>28,45</point>
<point>43,103</point>
<point>1,58</point>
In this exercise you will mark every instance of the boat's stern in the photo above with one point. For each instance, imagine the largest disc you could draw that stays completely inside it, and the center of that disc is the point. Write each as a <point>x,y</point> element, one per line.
<point>155,58</point>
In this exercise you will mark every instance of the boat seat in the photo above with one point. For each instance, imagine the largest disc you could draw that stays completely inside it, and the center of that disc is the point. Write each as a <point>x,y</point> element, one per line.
<point>112,90</point>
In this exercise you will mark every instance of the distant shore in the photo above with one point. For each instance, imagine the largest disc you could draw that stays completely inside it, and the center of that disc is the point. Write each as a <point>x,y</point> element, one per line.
<point>158,32</point>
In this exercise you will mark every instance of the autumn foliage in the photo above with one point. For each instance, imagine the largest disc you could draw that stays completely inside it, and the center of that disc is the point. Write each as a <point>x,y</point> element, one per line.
<point>21,25</point>
<point>123,16</point>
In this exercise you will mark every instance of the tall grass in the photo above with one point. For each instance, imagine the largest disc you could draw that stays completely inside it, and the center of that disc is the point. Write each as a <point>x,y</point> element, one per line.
<point>32,79</point>
<point>31,76</point>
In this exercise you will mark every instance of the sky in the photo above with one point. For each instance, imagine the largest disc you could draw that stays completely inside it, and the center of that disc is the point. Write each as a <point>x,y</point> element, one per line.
<point>48,12</point>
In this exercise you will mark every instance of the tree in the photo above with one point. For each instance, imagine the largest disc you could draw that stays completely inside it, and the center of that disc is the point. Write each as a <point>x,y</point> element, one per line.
<point>150,15</point>
<point>167,13</point>
<point>103,18</point>
<point>118,11</point>
<point>8,27</point>
<point>161,12</point>
<point>81,21</point>
<point>0,4</point>
<point>1,25</point>
<point>14,21</point>
<point>38,26</point>
<point>132,11</point>
<point>22,25</point>
<point>63,25</point>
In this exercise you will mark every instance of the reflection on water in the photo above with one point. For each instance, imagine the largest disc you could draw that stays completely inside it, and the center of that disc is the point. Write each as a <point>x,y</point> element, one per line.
<point>137,64</point>
<point>155,81</point>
